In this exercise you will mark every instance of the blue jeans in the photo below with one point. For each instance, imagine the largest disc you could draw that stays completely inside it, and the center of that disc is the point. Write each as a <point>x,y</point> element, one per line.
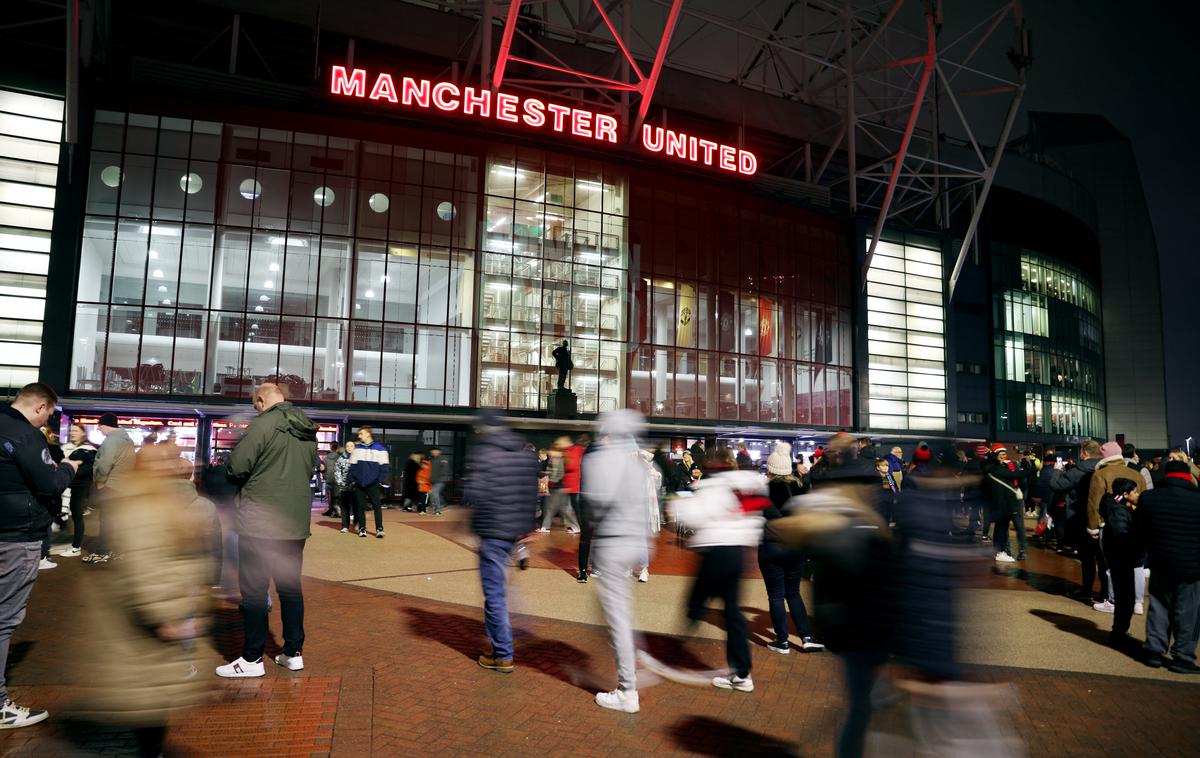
<point>781,571</point>
<point>493,566</point>
<point>435,496</point>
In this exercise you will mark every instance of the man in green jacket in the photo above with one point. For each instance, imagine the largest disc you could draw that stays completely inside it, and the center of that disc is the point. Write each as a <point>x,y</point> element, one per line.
<point>272,465</point>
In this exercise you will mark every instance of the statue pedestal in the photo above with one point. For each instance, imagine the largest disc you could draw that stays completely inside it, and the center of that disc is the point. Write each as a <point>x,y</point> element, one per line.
<point>562,404</point>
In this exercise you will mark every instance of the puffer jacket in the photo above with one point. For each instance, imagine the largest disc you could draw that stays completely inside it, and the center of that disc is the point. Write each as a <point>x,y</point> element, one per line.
<point>715,511</point>
<point>113,466</point>
<point>369,464</point>
<point>502,486</point>
<point>272,466</point>
<point>1167,523</point>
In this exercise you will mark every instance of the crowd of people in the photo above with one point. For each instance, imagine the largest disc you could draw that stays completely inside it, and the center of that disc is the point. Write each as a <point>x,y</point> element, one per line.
<point>880,538</point>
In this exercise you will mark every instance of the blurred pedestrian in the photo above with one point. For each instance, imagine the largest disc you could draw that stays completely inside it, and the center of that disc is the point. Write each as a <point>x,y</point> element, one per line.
<point>27,473</point>
<point>619,497</point>
<point>408,488</point>
<point>110,471</point>
<point>654,478</point>
<point>341,475</point>
<point>272,464</point>
<point>726,516</point>
<point>148,612</point>
<point>781,566</point>
<point>501,486</point>
<point>333,491</point>
<point>424,484</point>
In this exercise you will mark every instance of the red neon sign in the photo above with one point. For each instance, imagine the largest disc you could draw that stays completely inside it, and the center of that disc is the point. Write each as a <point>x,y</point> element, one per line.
<point>537,114</point>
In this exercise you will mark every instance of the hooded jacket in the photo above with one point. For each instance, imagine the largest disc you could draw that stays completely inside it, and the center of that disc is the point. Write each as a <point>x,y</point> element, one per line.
<point>502,486</point>
<point>26,471</point>
<point>1108,471</point>
<point>617,484</point>
<point>272,465</point>
<point>1072,484</point>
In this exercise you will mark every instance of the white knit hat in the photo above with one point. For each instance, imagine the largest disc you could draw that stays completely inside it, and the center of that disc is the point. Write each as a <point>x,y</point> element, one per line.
<point>780,461</point>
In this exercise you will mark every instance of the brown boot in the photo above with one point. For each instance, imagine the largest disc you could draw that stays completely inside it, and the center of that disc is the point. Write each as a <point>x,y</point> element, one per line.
<point>504,667</point>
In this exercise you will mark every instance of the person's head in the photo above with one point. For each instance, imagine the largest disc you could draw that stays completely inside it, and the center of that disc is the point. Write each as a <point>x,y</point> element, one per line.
<point>366,435</point>
<point>864,442</point>
<point>562,443</point>
<point>725,457</point>
<point>1050,453</point>
<point>687,458</point>
<point>76,435</point>
<point>881,466</point>
<point>36,403</point>
<point>435,452</point>
<point>349,448</point>
<point>267,396</point>
<point>337,447</point>
<point>1000,451</point>
<point>50,435</point>
<point>583,440</point>
<point>896,451</point>
<point>564,343</point>
<point>1089,450</point>
<point>1177,454</point>
<point>1130,452</point>
<point>741,447</point>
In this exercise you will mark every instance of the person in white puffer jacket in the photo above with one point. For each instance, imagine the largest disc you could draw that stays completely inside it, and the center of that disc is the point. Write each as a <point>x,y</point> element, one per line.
<point>724,514</point>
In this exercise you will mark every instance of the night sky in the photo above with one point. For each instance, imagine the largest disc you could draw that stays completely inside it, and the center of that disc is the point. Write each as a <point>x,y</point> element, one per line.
<point>1137,66</point>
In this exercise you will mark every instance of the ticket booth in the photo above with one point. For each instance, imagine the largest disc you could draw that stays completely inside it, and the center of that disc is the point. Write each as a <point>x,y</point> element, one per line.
<point>141,429</point>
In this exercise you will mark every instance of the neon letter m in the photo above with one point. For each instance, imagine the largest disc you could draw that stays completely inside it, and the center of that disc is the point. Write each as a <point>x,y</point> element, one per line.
<point>355,84</point>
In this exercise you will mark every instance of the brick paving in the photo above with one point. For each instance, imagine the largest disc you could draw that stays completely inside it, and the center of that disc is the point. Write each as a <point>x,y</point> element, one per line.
<point>391,674</point>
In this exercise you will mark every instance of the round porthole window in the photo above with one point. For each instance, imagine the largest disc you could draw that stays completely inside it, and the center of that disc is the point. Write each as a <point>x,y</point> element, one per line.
<point>111,176</point>
<point>323,196</point>
<point>378,202</point>
<point>446,210</point>
<point>191,183</point>
<point>250,189</point>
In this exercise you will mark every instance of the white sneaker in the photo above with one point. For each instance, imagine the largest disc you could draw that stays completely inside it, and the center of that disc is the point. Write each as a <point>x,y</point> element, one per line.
<point>1105,607</point>
<point>644,576</point>
<point>46,563</point>
<point>1139,609</point>
<point>811,645</point>
<point>13,716</point>
<point>241,669</point>
<point>70,552</point>
<point>1003,557</point>
<point>731,682</point>
<point>290,662</point>
<point>619,700</point>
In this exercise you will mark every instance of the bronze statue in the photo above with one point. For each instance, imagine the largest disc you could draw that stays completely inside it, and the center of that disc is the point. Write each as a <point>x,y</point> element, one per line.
<point>562,361</point>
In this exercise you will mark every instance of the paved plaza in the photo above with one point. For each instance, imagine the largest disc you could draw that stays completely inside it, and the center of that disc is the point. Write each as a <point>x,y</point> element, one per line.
<point>394,625</point>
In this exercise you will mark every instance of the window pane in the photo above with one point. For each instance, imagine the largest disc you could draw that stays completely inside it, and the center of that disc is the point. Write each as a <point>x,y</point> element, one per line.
<point>397,375</point>
<point>330,360</point>
<point>367,341</point>
<point>129,278</point>
<point>95,267</point>
<point>91,339</point>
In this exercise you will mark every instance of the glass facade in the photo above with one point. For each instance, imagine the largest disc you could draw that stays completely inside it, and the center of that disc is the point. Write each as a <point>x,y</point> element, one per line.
<point>906,338</point>
<point>30,132</point>
<point>555,266</point>
<point>218,256</point>
<point>742,309</point>
<point>1047,341</point>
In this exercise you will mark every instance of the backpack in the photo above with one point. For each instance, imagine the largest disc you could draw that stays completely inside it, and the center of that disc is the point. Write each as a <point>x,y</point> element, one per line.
<point>1115,509</point>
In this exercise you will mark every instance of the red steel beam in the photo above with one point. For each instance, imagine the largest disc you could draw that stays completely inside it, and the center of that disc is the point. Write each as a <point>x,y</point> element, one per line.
<point>648,84</point>
<point>510,26</point>
<point>620,42</point>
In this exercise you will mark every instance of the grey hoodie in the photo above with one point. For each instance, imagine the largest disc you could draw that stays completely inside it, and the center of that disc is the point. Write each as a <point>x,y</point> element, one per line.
<point>615,481</point>
<point>114,461</point>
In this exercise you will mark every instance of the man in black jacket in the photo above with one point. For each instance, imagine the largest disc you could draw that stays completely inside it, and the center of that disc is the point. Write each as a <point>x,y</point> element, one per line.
<point>501,485</point>
<point>1074,484</point>
<point>1167,522</point>
<point>26,472</point>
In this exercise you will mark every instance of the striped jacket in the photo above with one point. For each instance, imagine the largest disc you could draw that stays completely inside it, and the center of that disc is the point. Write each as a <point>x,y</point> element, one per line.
<point>369,464</point>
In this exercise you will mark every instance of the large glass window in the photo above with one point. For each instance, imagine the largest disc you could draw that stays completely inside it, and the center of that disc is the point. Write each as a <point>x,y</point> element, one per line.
<point>218,256</point>
<point>555,267</point>
<point>906,343</point>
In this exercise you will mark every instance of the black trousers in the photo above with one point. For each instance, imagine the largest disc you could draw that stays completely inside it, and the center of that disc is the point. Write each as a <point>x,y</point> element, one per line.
<point>1012,512</point>
<point>79,504</point>
<point>1092,558</point>
<point>259,561</point>
<point>372,493</point>
<point>1058,514</point>
<point>585,530</point>
<point>349,505</point>
<point>1121,555</point>
<point>720,576</point>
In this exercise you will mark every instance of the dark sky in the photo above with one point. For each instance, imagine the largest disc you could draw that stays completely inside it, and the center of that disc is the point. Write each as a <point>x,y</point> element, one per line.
<point>1138,67</point>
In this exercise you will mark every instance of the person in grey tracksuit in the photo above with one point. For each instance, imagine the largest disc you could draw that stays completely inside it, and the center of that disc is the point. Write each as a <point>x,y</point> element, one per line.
<point>615,485</point>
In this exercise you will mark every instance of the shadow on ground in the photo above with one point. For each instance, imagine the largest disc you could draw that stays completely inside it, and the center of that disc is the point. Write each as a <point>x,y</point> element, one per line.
<point>466,636</point>
<point>708,736</point>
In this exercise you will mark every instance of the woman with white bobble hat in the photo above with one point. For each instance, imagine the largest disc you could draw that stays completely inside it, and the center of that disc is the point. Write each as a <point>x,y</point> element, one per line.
<point>780,565</point>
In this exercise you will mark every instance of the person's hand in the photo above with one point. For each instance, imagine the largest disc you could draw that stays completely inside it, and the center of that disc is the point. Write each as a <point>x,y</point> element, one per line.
<point>175,631</point>
<point>73,464</point>
<point>1059,466</point>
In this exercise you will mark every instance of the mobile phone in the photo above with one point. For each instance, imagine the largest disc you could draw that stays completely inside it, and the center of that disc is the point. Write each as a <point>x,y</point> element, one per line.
<point>1058,459</point>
